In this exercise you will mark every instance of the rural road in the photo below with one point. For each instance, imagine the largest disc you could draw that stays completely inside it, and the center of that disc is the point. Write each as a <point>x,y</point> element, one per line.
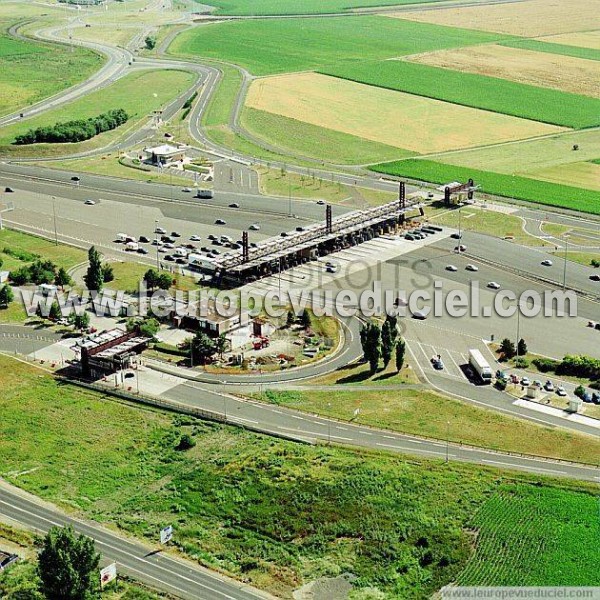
<point>147,564</point>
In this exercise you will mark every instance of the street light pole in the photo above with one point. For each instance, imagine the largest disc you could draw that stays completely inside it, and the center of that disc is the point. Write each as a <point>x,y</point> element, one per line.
<point>54,217</point>
<point>156,240</point>
<point>447,441</point>
<point>566,237</point>
<point>518,329</point>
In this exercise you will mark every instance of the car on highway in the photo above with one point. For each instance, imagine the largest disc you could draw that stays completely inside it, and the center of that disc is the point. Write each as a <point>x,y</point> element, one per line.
<point>75,178</point>
<point>90,202</point>
<point>194,238</point>
<point>254,227</point>
<point>420,315</point>
<point>181,261</point>
<point>456,236</point>
<point>549,386</point>
<point>175,234</point>
<point>8,190</point>
<point>451,268</point>
<point>220,222</point>
<point>595,277</point>
<point>320,202</point>
<point>460,248</point>
<point>473,268</point>
<point>525,381</point>
<point>234,205</point>
<point>560,391</point>
<point>284,234</point>
<point>299,228</point>
<point>160,230</point>
<point>493,285</point>
<point>186,190</point>
<point>204,194</point>
<point>143,239</point>
<point>546,263</point>
<point>169,258</point>
<point>142,251</point>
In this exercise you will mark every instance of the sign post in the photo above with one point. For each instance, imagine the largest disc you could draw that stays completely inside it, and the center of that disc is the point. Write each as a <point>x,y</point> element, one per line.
<point>108,574</point>
<point>166,534</point>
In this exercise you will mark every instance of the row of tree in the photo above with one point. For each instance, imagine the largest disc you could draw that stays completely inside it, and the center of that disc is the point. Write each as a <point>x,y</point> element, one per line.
<point>380,343</point>
<point>74,131</point>
<point>40,271</point>
<point>509,350</point>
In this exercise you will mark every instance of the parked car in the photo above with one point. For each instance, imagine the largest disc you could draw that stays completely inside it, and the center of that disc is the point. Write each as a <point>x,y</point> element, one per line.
<point>194,238</point>
<point>175,234</point>
<point>437,363</point>
<point>420,315</point>
<point>560,391</point>
<point>595,277</point>
<point>320,202</point>
<point>299,228</point>
<point>143,239</point>
<point>169,258</point>
<point>408,236</point>
<point>586,397</point>
<point>549,386</point>
<point>525,382</point>
<point>9,190</point>
<point>160,230</point>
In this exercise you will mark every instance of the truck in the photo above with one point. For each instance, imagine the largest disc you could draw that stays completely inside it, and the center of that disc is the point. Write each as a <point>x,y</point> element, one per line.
<point>201,263</point>
<point>480,366</point>
<point>204,194</point>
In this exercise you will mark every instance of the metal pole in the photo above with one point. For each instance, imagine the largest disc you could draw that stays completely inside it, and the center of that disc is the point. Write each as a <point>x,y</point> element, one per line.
<point>518,329</point>
<point>447,441</point>
<point>54,216</point>
<point>156,240</point>
<point>565,263</point>
<point>329,426</point>
<point>459,223</point>
<point>225,407</point>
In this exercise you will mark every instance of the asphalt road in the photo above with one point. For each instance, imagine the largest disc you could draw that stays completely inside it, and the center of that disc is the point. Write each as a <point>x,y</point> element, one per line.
<point>147,564</point>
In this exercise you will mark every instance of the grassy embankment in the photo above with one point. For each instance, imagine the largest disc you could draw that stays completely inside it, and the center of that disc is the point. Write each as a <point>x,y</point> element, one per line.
<point>279,514</point>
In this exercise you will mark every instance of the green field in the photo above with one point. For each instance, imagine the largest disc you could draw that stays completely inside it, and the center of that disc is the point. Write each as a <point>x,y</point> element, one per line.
<point>296,137</point>
<point>272,46</point>
<point>558,528</point>
<point>33,71</point>
<point>522,188</point>
<point>477,91</point>
<point>551,48</point>
<point>134,93</point>
<point>296,7</point>
<point>274,513</point>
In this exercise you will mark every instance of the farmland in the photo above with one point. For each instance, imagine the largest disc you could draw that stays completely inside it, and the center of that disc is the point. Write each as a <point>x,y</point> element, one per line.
<point>541,69</point>
<point>33,71</point>
<point>583,39</point>
<point>552,46</point>
<point>126,93</point>
<point>402,120</point>
<point>523,188</point>
<point>271,46</point>
<point>477,91</point>
<point>531,18</point>
<point>579,174</point>
<point>551,524</point>
<point>274,513</point>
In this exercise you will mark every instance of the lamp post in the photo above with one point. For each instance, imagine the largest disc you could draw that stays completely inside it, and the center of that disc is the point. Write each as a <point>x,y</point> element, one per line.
<point>447,441</point>
<point>329,425</point>
<point>54,218</point>
<point>566,238</point>
<point>156,240</point>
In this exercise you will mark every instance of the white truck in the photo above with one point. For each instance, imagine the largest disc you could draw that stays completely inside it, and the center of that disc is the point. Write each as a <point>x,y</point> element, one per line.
<point>201,263</point>
<point>480,366</point>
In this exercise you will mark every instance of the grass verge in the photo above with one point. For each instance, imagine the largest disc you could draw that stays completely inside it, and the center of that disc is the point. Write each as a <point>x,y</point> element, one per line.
<point>273,513</point>
<point>521,188</point>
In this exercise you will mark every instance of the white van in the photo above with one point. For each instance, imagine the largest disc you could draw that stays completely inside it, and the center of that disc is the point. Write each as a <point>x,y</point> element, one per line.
<point>121,237</point>
<point>132,246</point>
<point>180,251</point>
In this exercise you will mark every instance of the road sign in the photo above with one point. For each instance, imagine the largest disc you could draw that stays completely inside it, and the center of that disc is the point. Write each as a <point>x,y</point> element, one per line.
<point>166,534</point>
<point>108,574</point>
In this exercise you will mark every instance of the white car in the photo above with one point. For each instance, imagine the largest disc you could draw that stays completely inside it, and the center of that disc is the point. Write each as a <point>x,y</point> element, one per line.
<point>549,386</point>
<point>525,382</point>
<point>194,238</point>
<point>560,391</point>
<point>451,268</point>
<point>160,230</point>
<point>254,227</point>
<point>90,202</point>
<point>186,189</point>
<point>546,263</point>
<point>421,316</point>
<point>493,285</point>
<point>472,268</point>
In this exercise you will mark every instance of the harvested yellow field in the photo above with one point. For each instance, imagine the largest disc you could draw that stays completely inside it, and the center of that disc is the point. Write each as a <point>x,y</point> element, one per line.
<point>531,18</point>
<point>582,174</point>
<point>585,39</point>
<point>393,118</point>
<point>542,69</point>
<point>114,35</point>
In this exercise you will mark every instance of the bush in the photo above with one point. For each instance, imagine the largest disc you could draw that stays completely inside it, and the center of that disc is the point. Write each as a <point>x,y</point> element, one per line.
<point>546,365</point>
<point>579,391</point>
<point>74,131</point>
<point>521,363</point>
<point>580,366</point>
<point>185,443</point>
<point>21,254</point>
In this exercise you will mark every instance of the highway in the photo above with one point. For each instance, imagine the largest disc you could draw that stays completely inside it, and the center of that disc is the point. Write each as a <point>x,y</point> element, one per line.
<point>147,564</point>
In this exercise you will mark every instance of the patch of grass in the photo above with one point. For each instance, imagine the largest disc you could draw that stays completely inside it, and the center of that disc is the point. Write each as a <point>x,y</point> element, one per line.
<point>550,524</point>
<point>293,7</point>
<point>476,91</point>
<point>293,136</point>
<point>427,413</point>
<point>583,258</point>
<point>32,71</point>
<point>359,374</point>
<point>274,513</point>
<point>283,45</point>
<point>134,93</point>
<point>222,101</point>
<point>551,48</point>
<point>522,188</point>
<point>129,274</point>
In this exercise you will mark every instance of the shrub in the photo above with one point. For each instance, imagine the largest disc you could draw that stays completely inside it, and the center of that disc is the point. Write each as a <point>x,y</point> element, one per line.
<point>521,363</point>
<point>546,365</point>
<point>20,254</point>
<point>185,443</point>
<point>579,391</point>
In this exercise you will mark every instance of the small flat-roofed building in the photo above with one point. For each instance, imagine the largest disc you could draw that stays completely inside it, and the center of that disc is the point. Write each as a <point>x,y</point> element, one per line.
<point>164,154</point>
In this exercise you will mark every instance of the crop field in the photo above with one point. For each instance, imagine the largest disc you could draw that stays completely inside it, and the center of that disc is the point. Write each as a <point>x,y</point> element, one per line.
<point>32,71</point>
<point>114,34</point>
<point>580,174</point>
<point>274,513</point>
<point>294,7</point>
<point>531,18</point>
<point>583,39</point>
<point>273,46</point>
<point>519,187</point>
<point>401,120</point>
<point>129,93</point>
<point>563,530</point>
<point>294,136</point>
<point>541,69</point>
<point>551,46</point>
<point>477,91</point>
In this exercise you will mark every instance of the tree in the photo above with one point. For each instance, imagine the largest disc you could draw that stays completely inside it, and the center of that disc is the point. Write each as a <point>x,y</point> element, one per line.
<point>21,276</point>
<point>68,565</point>
<point>108,273</point>
<point>522,347</point>
<point>55,313</point>
<point>305,319</point>
<point>164,281</point>
<point>507,348</point>
<point>151,278</point>
<point>393,321</point>
<point>400,352</point>
<point>291,318</point>
<point>579,391</point>
<point>81,321</point>
<point>62,278</point>
<point>387,343</point>
<point>150,42</point>
<point>374,347</point>
<point>6,295</point>
<point>221,344</point>
<point>186,442</point>
<point>202,348</point>
<point>148,326</point>
<point>94,278</point>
